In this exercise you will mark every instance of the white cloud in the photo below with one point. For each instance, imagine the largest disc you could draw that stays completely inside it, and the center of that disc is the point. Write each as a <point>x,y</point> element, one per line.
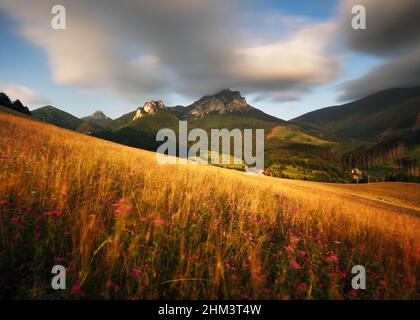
<point>26,95</point>
<point>288,67</point>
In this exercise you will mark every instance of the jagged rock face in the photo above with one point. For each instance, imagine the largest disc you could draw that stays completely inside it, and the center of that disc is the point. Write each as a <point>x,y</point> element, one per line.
<point>222,102</point>
<point>150,107</point>
<point>139,114</point>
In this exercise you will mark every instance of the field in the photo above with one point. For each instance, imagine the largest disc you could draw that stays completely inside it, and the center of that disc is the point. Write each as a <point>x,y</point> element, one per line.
<point>296,135</point>
<point>128,228</point>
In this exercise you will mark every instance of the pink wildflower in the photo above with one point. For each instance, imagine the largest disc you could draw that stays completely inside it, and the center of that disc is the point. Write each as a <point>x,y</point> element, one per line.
<point>14,220</point>
<point>233,278</point>
<point>76,288</point>
<point>135,273</point>
<point>295,265</point>
<point>119,202</point>
<point>289,248</point>
<point>159,221</point>
<point>294,239</point>
<point>332,258</point>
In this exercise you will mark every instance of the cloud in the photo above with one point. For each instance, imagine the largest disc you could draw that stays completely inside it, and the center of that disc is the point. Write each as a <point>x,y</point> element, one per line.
<point>287,68</point>
<point>137,49</point>
<point>392,33</point>
<point>26,95</point>
<point>400,72</point>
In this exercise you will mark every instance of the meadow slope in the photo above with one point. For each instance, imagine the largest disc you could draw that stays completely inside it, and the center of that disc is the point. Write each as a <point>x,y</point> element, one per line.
<point>128,228</point>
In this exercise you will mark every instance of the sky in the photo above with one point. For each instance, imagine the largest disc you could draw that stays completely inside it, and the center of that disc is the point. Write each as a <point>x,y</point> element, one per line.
<point>286,57</point>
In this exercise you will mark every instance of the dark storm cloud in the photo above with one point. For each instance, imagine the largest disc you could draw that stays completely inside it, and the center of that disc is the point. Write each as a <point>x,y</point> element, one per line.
<point>393,33</point>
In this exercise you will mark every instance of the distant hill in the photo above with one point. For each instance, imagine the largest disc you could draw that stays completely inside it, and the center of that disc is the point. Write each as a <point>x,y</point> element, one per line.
<point>139,128</point>
<point>56,116</point>
<point>384,114</point>
<point>14,105</point>
<point>373,133</point>
<point>296,134</point>
<point>225,109</point>
<point>379,133</point>
<point>288,145</point>
<point>90,125</point>
<point>99,118</point>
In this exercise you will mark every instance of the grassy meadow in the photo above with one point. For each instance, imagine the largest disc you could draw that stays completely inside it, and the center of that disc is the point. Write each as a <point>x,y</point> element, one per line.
<point>126,227</point>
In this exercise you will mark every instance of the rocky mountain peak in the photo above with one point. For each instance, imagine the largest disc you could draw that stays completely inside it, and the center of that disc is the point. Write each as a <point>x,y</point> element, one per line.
<point>150,107</point>
<point>99,115</point>
<point>222,102</point>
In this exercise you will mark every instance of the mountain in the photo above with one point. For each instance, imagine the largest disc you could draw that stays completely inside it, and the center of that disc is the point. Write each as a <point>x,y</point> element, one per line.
<point>225,101</point>
<point>225,109</point>
<point>56,116</point>
<point>373,118</point>
<point>379,133</point>
<point>14,105</point>
<point>99,118</point>
<point>139,127</point>
<point>150,108</point>
<point>374,134</point>
<point>286,144</point>
<point>53,115</point>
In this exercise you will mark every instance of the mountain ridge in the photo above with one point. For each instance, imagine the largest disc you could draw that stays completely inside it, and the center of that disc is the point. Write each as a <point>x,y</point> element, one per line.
<point>371,118</point>
<point>318,145</point>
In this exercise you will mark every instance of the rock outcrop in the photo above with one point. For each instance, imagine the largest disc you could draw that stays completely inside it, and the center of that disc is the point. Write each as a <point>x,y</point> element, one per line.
<point>150,107</point>
<point>222,102</point>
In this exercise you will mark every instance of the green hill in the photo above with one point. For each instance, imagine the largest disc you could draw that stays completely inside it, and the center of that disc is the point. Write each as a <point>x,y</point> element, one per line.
<point>141,132</point>
<point>99,118</point>
<point>321,145</point>
<point>226,109</point>
<point>56,116</point>
<point>296,134</point>
<point>384,114</point>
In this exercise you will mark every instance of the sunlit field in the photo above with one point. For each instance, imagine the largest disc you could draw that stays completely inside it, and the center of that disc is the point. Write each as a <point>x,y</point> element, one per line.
<point>126,227</point>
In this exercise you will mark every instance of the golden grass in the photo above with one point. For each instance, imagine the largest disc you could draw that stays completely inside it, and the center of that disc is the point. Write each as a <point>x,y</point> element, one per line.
<point>127,227</point>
